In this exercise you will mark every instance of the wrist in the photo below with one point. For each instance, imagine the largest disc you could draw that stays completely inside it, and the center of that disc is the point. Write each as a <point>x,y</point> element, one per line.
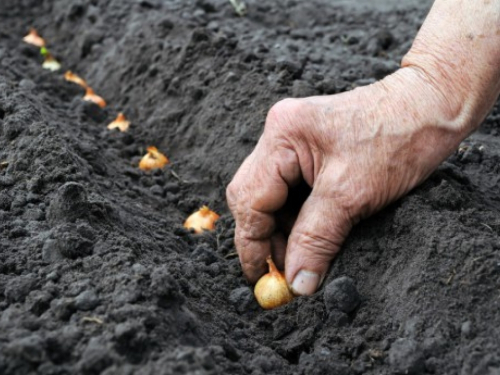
<point>457,53</point>
<point>456,105</point>
<point>431,103</point>
<point>422,113</point>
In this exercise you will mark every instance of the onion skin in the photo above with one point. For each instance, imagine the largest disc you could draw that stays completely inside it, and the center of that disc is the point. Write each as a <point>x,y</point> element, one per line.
<point>154,159</point>
<point>272,290</point>
<point>202,220</point>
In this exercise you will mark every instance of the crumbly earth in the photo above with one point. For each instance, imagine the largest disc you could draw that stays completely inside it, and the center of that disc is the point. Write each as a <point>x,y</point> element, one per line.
<point>97,274</point>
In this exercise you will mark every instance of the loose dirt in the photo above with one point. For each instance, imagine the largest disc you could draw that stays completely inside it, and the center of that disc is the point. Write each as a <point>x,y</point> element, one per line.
<point>97,274</point>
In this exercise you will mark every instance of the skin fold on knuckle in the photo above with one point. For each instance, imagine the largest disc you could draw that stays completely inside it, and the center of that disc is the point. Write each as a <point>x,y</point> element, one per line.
<point>285,118</point>
<point>255,225</point>
<point>323,238</point>
<point>287,162</point>
<point>242,246</point>
<point>310,252</point>
<point>281,108</point>
<point>317,245</point>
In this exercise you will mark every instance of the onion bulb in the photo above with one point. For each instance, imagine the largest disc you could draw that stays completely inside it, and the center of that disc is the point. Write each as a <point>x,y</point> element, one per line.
<point>34,39</point>
<point>72,77</point>
<point>272,290</point>
<point>201,220</point>
<point>120,122</point>
<point>154,159</point>
<point>91,96</point>
<point>50,63</point>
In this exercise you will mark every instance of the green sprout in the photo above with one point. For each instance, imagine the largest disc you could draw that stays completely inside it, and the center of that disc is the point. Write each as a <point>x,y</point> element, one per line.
<point>239,6</point>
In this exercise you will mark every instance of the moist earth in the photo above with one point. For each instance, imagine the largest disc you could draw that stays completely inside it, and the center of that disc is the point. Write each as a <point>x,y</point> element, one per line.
<point>97,274</point>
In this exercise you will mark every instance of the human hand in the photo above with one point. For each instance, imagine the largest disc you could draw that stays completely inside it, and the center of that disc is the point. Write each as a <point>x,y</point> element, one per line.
<point>358,151</point>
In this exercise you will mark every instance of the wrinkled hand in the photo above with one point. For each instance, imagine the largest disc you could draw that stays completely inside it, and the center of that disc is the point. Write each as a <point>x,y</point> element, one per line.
<point>358,151</point>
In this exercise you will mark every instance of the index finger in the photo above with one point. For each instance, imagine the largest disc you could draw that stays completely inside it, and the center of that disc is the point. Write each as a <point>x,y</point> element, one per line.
<point>258,190</point>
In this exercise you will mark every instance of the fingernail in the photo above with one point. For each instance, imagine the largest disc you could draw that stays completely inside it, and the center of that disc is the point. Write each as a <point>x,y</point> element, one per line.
<point>305,283</point>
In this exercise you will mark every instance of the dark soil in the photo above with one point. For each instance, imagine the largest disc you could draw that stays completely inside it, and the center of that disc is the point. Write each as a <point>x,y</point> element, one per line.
<point>97,274</point>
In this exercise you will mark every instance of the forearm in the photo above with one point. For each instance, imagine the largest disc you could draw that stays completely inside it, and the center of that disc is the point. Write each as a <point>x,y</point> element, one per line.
<point>457,51</point>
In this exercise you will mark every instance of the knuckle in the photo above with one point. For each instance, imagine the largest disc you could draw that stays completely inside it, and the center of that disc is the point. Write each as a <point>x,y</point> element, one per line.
<point>232,201</point>
<point>231,193</point>
<point>316,245</point>
<point>248,227</point>
<point>285,104</point>
<point>283,110</point>
<point>240,242</point>
<point>255,225</point>
<point>352,206</point>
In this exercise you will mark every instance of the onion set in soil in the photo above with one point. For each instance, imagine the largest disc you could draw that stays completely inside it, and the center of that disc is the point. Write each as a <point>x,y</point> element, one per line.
<point>154,159</point>
<point>201,220</point>
<point>34,39</point>
<point>49,63</point>
<point>272,290</point>
<point>91,96</point>
<point>72,77</point>
<point>120,122</point>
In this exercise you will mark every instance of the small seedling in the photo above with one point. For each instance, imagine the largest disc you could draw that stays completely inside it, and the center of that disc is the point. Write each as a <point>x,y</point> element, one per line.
<point>50,62</point>
<point>239,7</point>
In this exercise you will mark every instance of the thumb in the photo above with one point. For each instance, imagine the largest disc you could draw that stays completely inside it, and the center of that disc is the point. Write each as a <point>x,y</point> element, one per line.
<point>316,237</point>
